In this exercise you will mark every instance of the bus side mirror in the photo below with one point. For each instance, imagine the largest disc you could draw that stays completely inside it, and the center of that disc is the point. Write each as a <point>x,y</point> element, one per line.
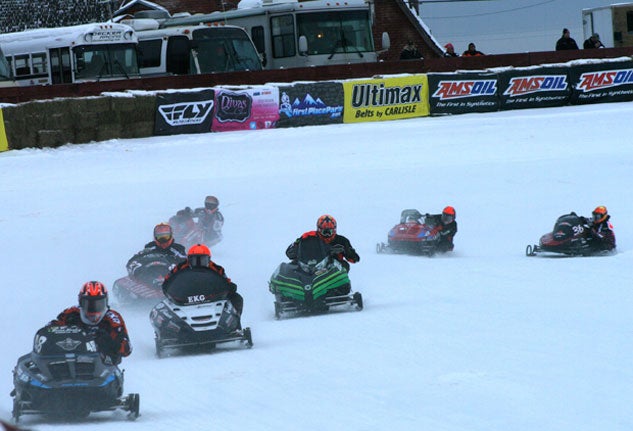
<point>386,42</point>
<point>303,45</point>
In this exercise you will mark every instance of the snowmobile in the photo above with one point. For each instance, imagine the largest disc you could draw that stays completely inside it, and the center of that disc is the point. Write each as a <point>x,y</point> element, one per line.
<point>415,234</point>
<point>65,376</point>
<point>188,231</point>
<point>145,286</point>
<point>571,236</point>
<point>196,313</point>
<point>315,283</point>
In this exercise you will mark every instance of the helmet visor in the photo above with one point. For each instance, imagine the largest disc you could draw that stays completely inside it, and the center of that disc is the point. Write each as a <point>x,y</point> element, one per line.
<point>93,308</point>
<point>447,218</point>
<point>211,206</point>
<point>163,237</point>
<point>327,232</point>
<point>597,216</point>
<point>199,260</point>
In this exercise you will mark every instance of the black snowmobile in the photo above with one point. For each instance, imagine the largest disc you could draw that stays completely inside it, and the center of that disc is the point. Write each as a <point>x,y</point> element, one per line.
<point>65,376</point>
<point>196,313</point>
<point>315,283</point>
<point>145,287</point>
<point>571,236</point>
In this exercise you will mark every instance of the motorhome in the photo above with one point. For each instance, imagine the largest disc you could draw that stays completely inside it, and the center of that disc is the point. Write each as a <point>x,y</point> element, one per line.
<point>63,55</point>
<point>193,49</point>
<point>288,33</point>
<point>613,23</point>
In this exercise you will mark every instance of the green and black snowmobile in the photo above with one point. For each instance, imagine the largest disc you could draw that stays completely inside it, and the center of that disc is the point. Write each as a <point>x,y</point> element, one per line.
<point>313,283</point>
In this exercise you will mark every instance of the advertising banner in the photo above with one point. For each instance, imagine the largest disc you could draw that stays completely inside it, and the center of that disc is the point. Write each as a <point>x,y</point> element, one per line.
<point>462,93</point>
<point>534,88</point>
<point>602,82</point>
<point>310,104</point>
<point>386,99</point>
<point>184,112</point>
<point>245,109</point>
<point>4,144</point>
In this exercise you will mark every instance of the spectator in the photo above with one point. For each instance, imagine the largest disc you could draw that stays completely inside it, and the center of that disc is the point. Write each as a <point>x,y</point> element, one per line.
<point>593,42</point>
<point>450,50</point>
<point>472,51</point>
<point>566,42</point>
<point>410,52</point>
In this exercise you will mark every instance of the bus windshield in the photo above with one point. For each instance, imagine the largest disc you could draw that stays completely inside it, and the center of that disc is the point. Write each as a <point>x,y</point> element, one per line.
<point>219,50</point>
<point>336,32</point>
<point>96,62</point>
<point>5,69</point>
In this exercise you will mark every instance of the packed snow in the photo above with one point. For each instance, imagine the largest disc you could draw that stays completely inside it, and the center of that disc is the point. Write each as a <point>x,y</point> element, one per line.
<point>481,339</point>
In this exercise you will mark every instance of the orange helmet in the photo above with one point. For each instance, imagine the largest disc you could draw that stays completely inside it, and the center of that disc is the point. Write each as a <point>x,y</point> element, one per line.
<point>326,227</point>
<point>199,255</point>
<point>211,203</point>
<point>599,214</point>
<point>448,215</point>
<point>163,235</point>
<point>93,302</point>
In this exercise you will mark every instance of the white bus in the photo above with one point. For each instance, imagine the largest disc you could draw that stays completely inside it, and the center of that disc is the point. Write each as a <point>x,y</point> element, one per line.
<point>6,78</point>
<point>63,55</point>
<point>193,50</point>
<point>288,33</point>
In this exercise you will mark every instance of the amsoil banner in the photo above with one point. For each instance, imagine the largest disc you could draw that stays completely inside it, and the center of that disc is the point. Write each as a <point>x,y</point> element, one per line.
<point>386,99</point>
<point>246,109</point>
<point>602,82</point>
<point>310,104</point>
<point>461,93</point>
<point>534,88</point>
<point>184,112</point>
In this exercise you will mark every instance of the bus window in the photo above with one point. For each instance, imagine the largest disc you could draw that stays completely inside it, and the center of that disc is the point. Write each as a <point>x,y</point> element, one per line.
<point>283,34</point>
<point>60,65</point>
<point>257,34</point>
<point>178,49</point>
<point>22,67</point>
<point>149,52</point>
<point>39,64</point>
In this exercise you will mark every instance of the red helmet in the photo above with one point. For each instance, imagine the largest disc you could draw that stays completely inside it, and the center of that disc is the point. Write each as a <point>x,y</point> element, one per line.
<point>599,214</point>
<point>163,235</point>
<point>326,227</point>
<point>93,302</point>
<point>448,215</point>
<point>211,203</point>
<point>199,255</point>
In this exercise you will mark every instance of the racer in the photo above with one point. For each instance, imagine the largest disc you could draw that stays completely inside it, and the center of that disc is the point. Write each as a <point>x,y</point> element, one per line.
<point>94,315</point>
<point>601,230</point>
<point>448,229</point>
<point>163,246</point>
<point>340,246</point>
<point>199,256</point>
<point>209,220</point>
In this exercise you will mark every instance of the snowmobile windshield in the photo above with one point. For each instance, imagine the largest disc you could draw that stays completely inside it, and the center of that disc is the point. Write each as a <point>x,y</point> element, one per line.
<point>407,216</point>
<point>196,285</point>
<point>311,249</point>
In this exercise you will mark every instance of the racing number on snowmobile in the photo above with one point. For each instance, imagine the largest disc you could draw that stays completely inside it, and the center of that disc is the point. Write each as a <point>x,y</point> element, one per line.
<point>91,346</point>
<point>39,341</point>
<point>578,229</point>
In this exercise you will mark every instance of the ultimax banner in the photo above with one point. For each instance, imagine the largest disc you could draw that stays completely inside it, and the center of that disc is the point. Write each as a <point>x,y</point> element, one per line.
<point>386,99</point>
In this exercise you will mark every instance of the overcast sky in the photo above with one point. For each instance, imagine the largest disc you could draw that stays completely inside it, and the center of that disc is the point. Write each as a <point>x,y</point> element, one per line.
<point>503,26</point>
